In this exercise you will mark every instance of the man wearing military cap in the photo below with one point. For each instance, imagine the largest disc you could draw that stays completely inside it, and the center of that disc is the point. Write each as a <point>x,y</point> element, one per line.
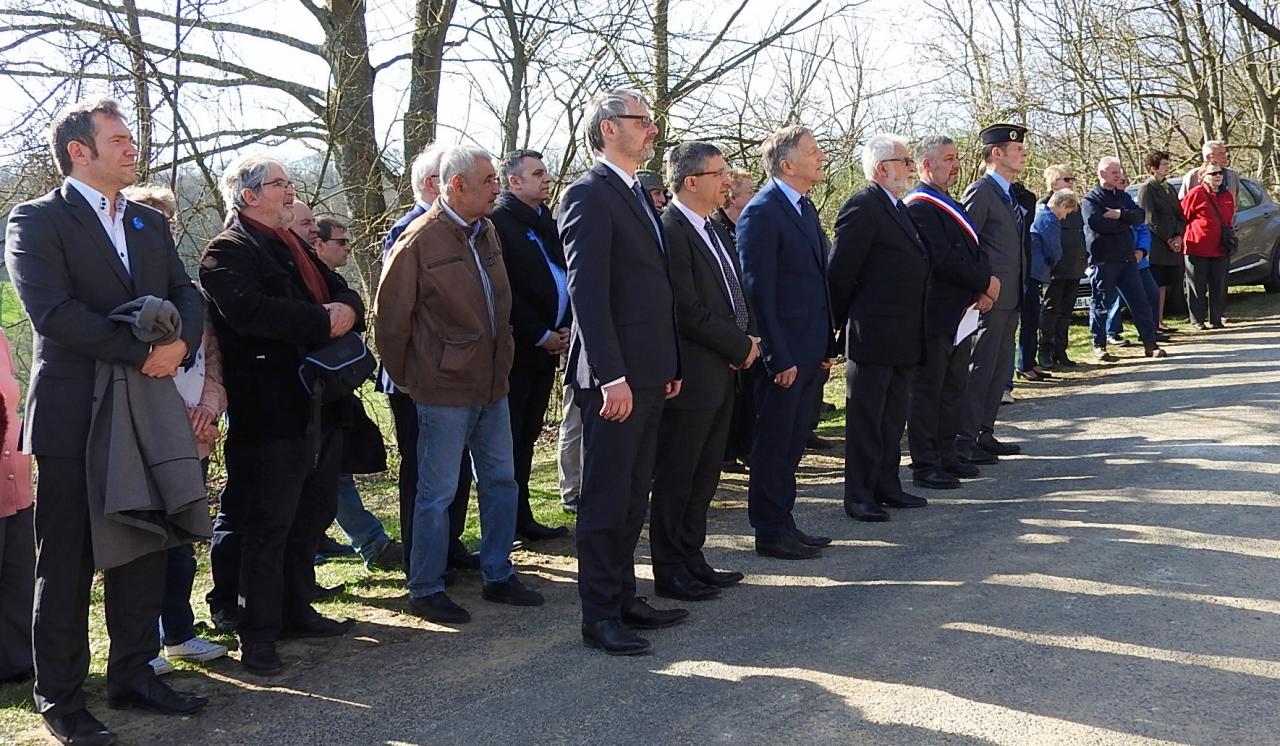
<point>652,183</point>
<point>999,222</point>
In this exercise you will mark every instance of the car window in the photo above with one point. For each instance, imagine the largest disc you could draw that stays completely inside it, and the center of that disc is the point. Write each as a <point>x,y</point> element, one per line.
<point>1254,195</point>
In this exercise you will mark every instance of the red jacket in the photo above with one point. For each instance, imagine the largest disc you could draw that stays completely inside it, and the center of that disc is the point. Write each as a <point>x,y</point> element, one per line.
<point>1203,236</point>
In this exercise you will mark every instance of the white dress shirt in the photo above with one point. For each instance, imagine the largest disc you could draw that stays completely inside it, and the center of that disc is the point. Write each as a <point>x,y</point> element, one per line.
<point>114,226</point>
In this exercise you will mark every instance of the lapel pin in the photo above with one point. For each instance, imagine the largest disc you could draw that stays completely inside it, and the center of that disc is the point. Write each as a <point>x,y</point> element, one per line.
<point>137,223</point>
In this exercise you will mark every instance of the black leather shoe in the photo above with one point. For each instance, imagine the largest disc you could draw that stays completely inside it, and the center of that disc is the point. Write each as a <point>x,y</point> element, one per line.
<point>225,620</point>
<point>989,444</point>
<point>1065,361</point>
<point>321,593</point>
<point>786,547</point>
<point>815,443</point>
<point>685,587</point>
<point>863,512</point>
<point>962,471</point>
<point>511,592</point>
<point>463,560</point>
<point>79,728</point>
<point>261,658</point>
<point>154,696</point>
<point>935,479</point>
<point>811,540</point>
<point>438,608</point>
<point>711,576</point>
<point>316,626</point>
<point>903,501</point>
<point>614,638</point>
<point>643,616</point>
<point>535,531</point>
<point>970,453</point>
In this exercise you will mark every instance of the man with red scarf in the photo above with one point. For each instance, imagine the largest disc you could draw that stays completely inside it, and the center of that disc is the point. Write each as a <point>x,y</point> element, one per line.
<point>271,300</point>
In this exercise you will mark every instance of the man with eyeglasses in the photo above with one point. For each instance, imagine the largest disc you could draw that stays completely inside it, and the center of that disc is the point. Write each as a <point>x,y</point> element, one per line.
<point>878,276</point>
<point>1215,152</point>
<point>999,221</point>
<point>271,299</point>
<point>717,338</point>
<point>624,363</point>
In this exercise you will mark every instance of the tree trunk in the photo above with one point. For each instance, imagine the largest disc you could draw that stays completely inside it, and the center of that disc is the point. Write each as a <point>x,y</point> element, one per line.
<point>431,27</point>
<point>141,94</point>
<point>661,80</point>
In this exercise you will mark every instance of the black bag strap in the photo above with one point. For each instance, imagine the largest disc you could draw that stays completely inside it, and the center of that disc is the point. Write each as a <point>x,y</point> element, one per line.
<point>1213,204</point>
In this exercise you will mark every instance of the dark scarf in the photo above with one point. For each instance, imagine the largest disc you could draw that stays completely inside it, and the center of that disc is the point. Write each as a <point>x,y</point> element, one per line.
<point>541,223</point>
<point>311,277</point>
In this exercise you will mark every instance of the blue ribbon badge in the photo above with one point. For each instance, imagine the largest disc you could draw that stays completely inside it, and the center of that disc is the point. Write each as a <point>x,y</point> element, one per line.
<point>137,223</point>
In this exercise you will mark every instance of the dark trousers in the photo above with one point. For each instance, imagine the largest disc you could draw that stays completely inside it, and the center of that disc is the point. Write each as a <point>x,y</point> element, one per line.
<point>784,418</point>
<point>690,445</point>
<point>742,423</point>
<point>64,575</point>
<point>177,621</point>
<point>404,412</point>
<point>1207,288</point>
<point>1029,324</point>
<point>17,591</point>
<point>1108,279</point>
<point>937,401</point>
<point>617,472</point>
<point>282,504</point>
<point>875,416</point>
<point>990,369</point>
<point>528,397</point>
<point>1055,316</point>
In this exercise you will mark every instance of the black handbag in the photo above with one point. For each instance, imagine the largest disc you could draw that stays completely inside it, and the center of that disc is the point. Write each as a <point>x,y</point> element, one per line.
<point>337,369</point>
<point>1230,241</point>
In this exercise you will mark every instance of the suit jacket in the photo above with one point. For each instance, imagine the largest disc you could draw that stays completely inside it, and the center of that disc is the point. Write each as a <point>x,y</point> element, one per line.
<point>399,227</point>
<point>624,320</point>
<point>957,270</point>
<point>710,340</point>
<point>266,321</point>
<point>69,279</point>
<point>534,300</point>
<point>878,277</point>
<point>1000,238</point>
<point>1164,217</point>
<point>784,275</point>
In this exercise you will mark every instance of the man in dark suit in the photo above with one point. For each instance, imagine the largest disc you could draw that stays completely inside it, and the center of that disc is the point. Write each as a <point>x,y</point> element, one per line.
<point>425,175</point>
<point>959,277</point>
<point>540,314</point>
<point>272,299</point>
<point>716,339</point>
<point>623,363</point>
<point>75,255</point>
<point>878,275</point>
<point>784,273</point>
<point>999,221</point>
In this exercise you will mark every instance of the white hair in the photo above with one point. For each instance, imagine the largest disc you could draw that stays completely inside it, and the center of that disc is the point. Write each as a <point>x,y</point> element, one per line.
<point>877,149</point>
<point>246,172</point>
<point>1107,162</point>
<point>459,160</point>
<point>1207,149</point>
<point>427,162</point>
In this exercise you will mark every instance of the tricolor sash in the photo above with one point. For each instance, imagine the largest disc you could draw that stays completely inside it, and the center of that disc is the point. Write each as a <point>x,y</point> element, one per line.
<point>946,207</point>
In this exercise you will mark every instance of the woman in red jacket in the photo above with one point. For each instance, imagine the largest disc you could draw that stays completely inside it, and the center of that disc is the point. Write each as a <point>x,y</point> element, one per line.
<point>1208,207</point>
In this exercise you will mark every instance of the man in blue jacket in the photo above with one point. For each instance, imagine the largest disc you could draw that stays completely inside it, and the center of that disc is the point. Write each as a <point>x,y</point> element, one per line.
<point>1109,217</point>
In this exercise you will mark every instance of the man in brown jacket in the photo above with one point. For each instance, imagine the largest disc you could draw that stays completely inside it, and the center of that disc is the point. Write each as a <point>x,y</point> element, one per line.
<point>443,311</point>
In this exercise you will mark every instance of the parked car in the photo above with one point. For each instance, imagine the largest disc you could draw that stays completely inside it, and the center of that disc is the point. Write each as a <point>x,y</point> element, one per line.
<point>1257,261</point>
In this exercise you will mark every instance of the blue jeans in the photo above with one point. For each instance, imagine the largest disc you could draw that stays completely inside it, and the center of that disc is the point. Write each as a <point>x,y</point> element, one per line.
<point>1115,325</point>
<point>362,528</point>
<point>177,621</point>
<point>1108,279</point>
<point>442,434</point>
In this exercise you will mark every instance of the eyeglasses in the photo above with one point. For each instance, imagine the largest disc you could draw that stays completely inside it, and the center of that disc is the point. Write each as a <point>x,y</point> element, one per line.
<point>904,159</point>
<point>1213,173</point>
<point>339,241</point>
<point>282,183</point>
<point>1068,179</point>
<point>645,120</point>
<point>721,173</point>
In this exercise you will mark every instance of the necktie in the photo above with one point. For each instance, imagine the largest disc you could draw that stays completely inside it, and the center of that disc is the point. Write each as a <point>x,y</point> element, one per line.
<point>811,222</point>
<point>730,278</point>
<point>646,207</point>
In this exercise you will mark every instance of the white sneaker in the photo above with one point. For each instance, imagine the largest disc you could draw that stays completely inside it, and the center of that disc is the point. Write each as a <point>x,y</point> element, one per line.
<point>161,666</point>
<point>1007,397</point>
<point>196,649</point>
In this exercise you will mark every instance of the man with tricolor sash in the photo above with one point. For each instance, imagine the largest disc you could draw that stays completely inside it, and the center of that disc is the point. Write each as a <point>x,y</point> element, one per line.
<point>959,280</point>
